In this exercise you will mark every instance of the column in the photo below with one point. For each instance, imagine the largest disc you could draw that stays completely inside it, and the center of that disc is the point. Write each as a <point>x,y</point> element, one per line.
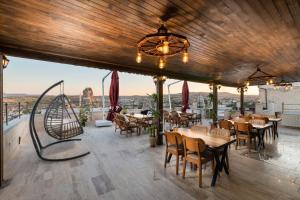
<point>159,106</point>
<point>1,122</point>
<point>242,110</point>
<point>215,103</point>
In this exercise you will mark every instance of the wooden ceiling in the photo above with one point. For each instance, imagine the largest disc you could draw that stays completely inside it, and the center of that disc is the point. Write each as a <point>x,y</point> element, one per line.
<point>228,37</point>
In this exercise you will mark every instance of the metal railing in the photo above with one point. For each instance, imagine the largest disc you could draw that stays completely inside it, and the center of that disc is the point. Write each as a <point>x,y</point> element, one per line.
<point>290,108</point>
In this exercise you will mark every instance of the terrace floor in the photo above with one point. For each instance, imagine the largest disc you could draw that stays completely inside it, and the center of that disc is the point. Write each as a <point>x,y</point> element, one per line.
<point>122,167</point>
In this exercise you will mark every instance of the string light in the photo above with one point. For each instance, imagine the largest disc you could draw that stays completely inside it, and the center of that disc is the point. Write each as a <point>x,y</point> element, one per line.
<point>165,48</point>
<point>162,63</point>
<point>139,57</point>
<point>185,57</point>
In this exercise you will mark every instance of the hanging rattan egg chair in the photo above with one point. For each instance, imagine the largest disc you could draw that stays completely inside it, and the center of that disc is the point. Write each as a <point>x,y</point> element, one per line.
<point>60,122</point>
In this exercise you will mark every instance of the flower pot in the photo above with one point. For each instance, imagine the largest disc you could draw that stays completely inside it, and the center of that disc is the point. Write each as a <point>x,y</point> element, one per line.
<point>152,141</point>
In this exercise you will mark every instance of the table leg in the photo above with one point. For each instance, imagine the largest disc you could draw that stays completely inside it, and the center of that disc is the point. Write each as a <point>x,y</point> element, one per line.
<point>219,165</point>
<point>260,139</point>
<point>276,129</point>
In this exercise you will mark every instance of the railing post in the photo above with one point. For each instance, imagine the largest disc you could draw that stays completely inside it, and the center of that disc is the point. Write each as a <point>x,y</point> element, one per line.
<point>6,114</point>
<point>19,110</point>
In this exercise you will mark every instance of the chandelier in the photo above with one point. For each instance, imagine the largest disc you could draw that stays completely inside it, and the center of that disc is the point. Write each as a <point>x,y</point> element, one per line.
<point>163,44</point>
<point>260,77</point>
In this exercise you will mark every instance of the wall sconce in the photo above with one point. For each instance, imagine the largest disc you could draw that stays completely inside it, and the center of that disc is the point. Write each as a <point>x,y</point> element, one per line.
<point>211,86</point>
<point>159,78</point>
<point>239,89</point>
<point>5,61</point>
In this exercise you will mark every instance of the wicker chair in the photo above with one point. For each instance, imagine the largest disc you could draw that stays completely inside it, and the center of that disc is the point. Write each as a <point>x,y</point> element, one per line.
<point>177,120</point>
<point>125,125</point>
<point>166,116</point>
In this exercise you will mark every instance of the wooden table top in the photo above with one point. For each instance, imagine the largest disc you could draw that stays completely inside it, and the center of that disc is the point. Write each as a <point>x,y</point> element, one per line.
<point>272,119</point>
<point>256,126</point>
<point>213,142</point>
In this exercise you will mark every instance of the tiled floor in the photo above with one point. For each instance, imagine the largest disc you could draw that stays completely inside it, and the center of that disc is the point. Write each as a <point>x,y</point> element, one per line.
<point>127,168</point>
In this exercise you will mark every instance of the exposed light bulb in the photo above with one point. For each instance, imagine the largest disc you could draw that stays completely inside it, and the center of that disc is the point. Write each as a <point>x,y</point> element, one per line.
<point>185,57</point>
<point>162,63</point>
<point>271,81</point>
<point>139,57</point>
<point>165,47</point>
<point>267,82</point>
<point>247,83</point>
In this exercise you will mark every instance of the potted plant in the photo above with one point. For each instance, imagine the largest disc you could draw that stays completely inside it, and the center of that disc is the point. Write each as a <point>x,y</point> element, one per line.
<point>152,135</point>
<point>124,111</point>
<point>83,117</point>
<point>152,130</point>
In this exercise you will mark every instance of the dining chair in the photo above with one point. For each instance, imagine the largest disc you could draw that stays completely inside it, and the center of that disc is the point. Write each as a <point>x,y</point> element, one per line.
<point>224,134</point>
<point>195,152</point>
<point>244,133</point>
<point>166,116</point>
<point>269,130</point>
<point>126,125</point>
<point>200,128</point>
<point>226,124</point>
<point>178,120</point>
<point>174,146</point>
<point>246,117</point>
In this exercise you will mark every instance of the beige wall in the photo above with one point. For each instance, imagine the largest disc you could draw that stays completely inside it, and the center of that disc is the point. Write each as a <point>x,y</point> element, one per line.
<point>11,136</point>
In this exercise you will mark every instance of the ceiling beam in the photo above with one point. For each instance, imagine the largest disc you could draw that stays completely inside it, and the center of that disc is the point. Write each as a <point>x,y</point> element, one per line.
<point>54,57</point>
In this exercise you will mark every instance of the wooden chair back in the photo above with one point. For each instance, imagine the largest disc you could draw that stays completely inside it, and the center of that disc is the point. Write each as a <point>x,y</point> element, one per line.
<point>266,119</point>
<point>242,127</point>
<point>220,133</point>
<point>200,129</point>
<point>225,124</point>
<point>173,138</point>
<point>170,138</point>
<point>247,118</point>
<point>193,145</point>
<point>257,121</point>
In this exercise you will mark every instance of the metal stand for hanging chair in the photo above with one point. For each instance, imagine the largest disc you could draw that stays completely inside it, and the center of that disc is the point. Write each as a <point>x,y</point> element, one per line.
<point>54,125</point>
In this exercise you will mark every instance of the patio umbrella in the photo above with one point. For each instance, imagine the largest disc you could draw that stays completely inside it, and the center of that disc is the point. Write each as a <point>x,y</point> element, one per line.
<point>113,95</point>
<point>185,96</point>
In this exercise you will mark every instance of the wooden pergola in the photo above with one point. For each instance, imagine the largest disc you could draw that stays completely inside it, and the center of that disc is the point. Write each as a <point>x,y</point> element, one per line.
<point>228,38</point>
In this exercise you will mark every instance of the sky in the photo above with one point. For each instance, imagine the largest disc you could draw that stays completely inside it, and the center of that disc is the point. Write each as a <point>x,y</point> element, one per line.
<point>33,77</point>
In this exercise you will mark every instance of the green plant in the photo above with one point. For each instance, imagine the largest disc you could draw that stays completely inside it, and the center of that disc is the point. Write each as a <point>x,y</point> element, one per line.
<point>151,131</point>
<point>83,117</point>
<point>153,98</point>
<point>124,110</point>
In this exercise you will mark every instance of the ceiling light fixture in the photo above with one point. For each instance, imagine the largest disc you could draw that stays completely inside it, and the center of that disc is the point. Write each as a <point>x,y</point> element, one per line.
<point>162,45</point>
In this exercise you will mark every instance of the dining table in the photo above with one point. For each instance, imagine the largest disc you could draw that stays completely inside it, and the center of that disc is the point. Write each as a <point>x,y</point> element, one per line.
<point>216,145</point>
<point>275,121</point>
<point>261,129</point>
